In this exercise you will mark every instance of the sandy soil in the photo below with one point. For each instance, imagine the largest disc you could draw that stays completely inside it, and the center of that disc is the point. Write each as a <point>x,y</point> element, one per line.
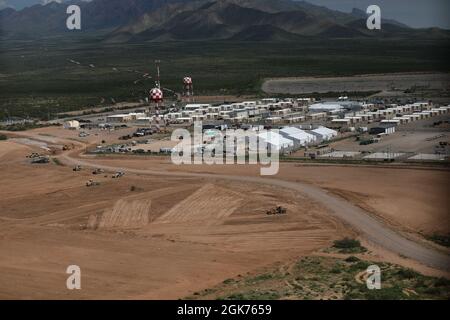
<point>166,239</point>
<point>415,200</point>
<point>401,141</point>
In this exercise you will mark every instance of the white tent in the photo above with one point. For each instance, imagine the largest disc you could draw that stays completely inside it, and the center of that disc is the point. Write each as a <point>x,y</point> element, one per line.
<point>72,125</point>
<point>325,107</point>
<point>325,133</point>
<point>275,139</point>
<point>298,135</point>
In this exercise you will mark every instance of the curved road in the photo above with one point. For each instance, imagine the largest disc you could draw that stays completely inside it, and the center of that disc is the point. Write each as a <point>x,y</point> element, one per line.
<point>372,229</point>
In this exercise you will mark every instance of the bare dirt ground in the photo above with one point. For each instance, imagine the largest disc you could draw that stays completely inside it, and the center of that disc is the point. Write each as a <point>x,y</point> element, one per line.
<point>172,235</point>
<point>401,141</point>
<point>416,200</point>
<point>360,83</point>
<point>166,239</point>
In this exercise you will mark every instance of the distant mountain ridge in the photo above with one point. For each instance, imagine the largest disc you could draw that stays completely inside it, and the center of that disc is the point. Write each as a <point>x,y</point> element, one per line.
<point>164,20</point>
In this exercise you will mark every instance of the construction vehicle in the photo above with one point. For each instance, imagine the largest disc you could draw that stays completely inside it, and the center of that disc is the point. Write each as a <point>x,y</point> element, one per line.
<point>92,183</point>
<point>33,155</point>
<point>67,147</point>
<point>118,174</point>
<point>40,159</point>
<point>276,211</point>
<point>98,171</point>
<point>77,168</point>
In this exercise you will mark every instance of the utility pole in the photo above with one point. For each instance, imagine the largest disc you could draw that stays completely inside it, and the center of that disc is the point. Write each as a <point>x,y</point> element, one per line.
<point>158,80</point>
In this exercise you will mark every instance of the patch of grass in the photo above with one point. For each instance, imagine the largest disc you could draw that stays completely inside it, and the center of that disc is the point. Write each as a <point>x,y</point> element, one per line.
<point>391,293</point>
<point>228,281</point>
<point>407,273</point>
<point>348,245</point>
<point>41,84</point>
<point>261,277</point>
<point>331,278</point>
<point>352,259</point>
<point>254,295</point>
<point>22,126</point>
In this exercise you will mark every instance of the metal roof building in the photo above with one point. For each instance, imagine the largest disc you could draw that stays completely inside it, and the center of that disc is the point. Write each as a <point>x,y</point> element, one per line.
<point>299,136</point>
<point>275,139</point>
<point>325,107</point>
<point>325,133</point>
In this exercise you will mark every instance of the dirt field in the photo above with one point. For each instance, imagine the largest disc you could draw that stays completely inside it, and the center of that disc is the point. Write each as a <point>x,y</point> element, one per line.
<point>401,141</point>
<point>362,83</point>
<point>416,200</point>
<point>133,244</point>
<point>148,237</point>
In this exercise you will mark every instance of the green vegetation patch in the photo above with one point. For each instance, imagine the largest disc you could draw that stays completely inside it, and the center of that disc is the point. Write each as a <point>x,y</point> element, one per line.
<point>348,245</point>
<point>329,278</point>
<point>41,82</point>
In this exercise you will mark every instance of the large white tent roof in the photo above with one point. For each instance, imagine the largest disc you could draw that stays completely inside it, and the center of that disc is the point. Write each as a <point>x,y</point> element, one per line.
<point>274,138</point>
<point>296,132</point>
<point>324,131</point>
<point>320,107</point>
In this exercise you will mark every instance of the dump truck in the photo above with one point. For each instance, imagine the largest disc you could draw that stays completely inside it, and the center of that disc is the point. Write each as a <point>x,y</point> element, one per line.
<point>277,210</point>
<point>40,159</point>
<point>118,174</point>
<point>98,171</point>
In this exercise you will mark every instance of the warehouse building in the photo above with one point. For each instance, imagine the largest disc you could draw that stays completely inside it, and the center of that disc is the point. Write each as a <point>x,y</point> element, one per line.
<point>324,133</point>
<point>276,140</point>
<point>298,136</point>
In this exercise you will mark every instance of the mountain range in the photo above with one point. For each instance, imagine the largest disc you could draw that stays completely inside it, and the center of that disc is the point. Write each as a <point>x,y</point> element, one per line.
<point>165,20</point>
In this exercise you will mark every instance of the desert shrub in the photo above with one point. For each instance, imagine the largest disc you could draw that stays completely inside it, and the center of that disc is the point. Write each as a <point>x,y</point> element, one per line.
<point>347,245</point>
<point>443,240</point>
<point>352,259</point>
<point>228,281</point>
<point>391,293</point>
<point>407,273</point>
<point>3,137</point>
<point>442,282</point>
<point>336,269</point>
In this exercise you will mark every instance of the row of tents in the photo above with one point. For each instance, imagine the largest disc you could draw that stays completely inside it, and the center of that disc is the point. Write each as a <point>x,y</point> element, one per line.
<point>293,137</point>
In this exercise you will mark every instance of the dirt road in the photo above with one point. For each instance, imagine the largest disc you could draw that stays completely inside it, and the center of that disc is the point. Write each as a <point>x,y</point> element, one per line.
<point>370,228</point>
<point>359,83</point>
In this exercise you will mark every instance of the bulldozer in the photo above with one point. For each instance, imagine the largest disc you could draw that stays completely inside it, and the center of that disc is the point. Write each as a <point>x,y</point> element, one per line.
<point>67,147</point>
<point>118,174</point>
<point>92,183</point>
<point>40,159</point>
<point>276,211</point>
<point>98,171</point>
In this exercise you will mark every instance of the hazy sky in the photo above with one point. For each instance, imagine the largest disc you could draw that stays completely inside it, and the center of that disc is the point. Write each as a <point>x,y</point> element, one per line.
<point>415,13</point>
